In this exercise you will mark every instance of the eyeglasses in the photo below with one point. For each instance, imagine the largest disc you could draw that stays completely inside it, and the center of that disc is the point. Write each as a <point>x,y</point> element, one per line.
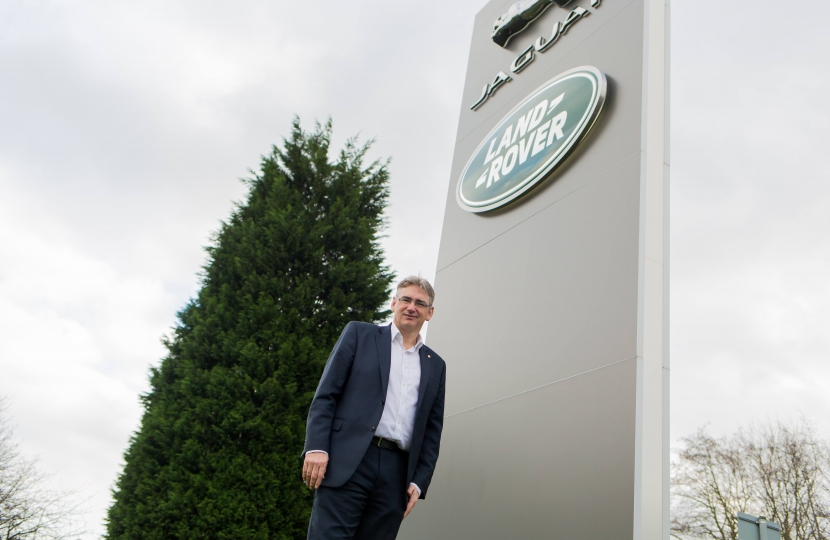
<point>417,303</point>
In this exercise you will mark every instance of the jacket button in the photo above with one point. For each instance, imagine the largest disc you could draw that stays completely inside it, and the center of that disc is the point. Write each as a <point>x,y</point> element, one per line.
<point>383,402</point>
<point>373,428</point>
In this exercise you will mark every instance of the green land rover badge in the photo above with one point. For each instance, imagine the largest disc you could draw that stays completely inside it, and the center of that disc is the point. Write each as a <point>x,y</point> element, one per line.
<point>532,140</point>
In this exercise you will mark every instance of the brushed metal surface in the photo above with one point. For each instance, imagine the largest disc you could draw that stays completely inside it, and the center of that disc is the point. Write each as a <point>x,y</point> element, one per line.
<point>615,138</point>
<point>552,297</point>
<point>551,311</point>
<point>555,462</point>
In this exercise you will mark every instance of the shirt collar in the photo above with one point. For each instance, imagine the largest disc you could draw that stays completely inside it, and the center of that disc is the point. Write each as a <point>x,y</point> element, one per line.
<point>397,336</point>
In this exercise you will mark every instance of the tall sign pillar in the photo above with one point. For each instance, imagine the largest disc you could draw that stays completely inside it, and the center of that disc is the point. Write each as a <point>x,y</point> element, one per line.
<point>552,280</point>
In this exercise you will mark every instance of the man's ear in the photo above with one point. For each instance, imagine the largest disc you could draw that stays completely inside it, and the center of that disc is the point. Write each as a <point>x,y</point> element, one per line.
<point>431,311</point>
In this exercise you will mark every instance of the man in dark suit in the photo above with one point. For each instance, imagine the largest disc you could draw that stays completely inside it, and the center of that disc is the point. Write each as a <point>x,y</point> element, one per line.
<point>374,426</point>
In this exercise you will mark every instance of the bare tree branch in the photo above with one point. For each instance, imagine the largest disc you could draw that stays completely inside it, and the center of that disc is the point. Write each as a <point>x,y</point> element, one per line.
<point>779,471</point>
<point>29,510</point>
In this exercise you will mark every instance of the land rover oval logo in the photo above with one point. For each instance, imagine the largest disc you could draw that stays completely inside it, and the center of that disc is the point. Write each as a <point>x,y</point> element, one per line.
<point>532,140</point>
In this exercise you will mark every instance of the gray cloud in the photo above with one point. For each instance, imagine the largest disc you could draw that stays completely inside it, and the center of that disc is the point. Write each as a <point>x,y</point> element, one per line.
<point>750,251</point>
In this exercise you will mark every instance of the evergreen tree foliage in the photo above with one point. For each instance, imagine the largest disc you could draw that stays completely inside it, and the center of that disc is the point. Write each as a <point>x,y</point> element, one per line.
<point>217,454</point>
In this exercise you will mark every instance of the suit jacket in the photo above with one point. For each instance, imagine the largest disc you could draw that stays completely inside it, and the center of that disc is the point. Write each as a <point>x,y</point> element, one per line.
<point>349,402</point>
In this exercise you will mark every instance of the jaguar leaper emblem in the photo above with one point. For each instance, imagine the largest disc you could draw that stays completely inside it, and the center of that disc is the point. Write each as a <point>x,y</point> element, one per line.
<point>519,16</point>
<point>532,140</point>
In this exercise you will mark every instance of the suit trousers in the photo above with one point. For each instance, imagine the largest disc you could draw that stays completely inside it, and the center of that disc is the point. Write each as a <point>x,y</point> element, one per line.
<point>369,506</point>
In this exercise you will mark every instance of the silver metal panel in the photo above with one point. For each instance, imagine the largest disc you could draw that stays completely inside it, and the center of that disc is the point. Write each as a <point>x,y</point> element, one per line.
<point>552,312</point>
<point>614,138</point>
<point>556,462</point>
<point>486,58</point>
<point>552,297</point>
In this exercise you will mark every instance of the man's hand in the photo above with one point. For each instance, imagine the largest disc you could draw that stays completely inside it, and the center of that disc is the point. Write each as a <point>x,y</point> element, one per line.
<point>314,468</point>
<point>413,498</point>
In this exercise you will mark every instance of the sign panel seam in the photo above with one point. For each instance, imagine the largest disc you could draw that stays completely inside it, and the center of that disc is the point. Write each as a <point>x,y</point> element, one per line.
<point>534,214</point>
<point>529,390</point>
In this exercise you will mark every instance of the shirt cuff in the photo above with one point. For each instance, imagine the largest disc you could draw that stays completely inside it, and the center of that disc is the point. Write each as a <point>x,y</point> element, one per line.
<point>416,487</point>
<point>326,453</point>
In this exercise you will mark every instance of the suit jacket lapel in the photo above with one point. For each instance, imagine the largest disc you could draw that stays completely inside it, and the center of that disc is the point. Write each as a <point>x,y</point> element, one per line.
<point>426,366</point>
<point>383,339</point>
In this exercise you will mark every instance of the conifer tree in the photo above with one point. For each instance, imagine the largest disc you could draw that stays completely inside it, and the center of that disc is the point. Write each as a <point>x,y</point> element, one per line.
<point>217,454</point>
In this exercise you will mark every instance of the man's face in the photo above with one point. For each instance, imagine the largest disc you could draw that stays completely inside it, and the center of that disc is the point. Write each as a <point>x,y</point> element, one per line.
<point>411,309</point>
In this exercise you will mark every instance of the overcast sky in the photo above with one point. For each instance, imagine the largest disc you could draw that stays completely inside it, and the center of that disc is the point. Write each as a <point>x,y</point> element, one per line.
<point>125,127</point>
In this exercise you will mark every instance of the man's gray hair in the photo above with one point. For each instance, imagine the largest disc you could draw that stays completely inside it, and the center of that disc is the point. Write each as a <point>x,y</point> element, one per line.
<point>419,282</point>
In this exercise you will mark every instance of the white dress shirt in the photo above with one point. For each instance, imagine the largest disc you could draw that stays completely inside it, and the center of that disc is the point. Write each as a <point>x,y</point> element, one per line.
<point>398,419</point>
